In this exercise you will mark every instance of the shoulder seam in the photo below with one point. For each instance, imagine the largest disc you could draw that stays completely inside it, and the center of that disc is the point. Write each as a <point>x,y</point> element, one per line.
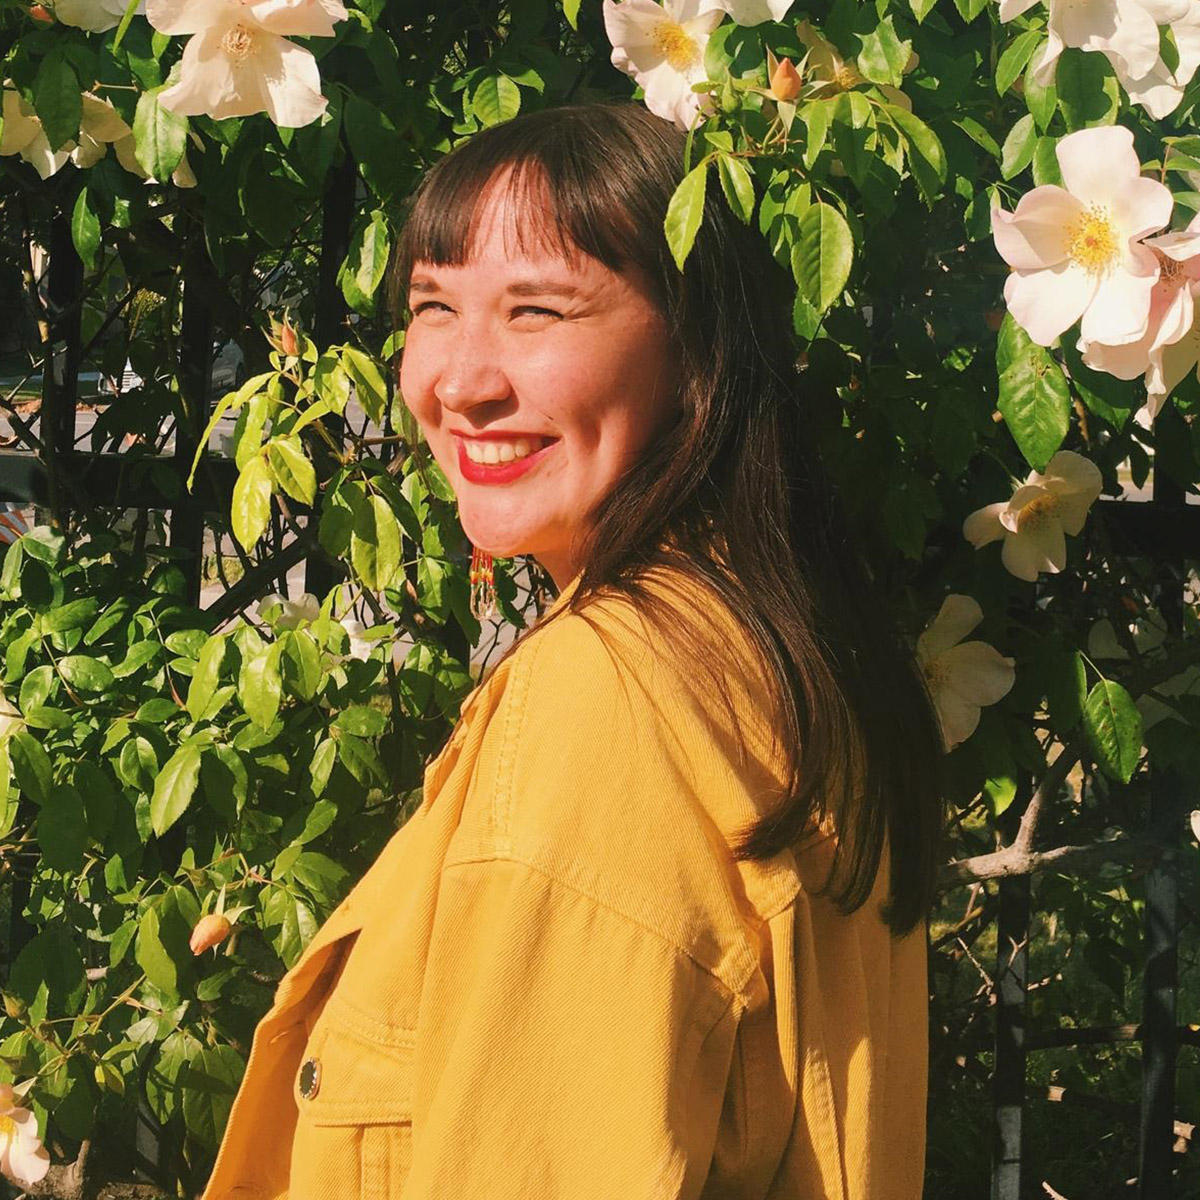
<point>736,991</point>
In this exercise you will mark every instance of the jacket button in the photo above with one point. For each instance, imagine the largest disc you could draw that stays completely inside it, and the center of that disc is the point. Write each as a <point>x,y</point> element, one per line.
<point>310,1078</point>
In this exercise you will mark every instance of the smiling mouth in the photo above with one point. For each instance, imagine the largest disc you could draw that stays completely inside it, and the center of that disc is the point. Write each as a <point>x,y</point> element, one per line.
<point>492,451</point>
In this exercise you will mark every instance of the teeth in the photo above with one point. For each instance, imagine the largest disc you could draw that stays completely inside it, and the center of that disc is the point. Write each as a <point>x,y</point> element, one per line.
<point>499,452</point>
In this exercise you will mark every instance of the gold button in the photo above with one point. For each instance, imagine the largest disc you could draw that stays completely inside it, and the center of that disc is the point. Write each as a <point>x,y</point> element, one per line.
<point>310,1078</point>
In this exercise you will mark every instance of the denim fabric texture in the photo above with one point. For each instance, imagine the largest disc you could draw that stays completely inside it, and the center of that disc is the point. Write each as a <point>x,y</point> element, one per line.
<point>556,984</point>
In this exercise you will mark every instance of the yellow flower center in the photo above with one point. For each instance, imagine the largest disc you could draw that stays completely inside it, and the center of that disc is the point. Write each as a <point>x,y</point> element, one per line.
<point>676,45</point>
<point>8,1130</point>
<point>846,77</point>
<point>238,42</point>
<point>936,675</point>
<point>1093,241</point>
<point>1038,513</point>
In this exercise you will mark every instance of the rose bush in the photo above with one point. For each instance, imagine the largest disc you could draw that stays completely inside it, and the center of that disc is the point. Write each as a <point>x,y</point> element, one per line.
<point>989,215</point>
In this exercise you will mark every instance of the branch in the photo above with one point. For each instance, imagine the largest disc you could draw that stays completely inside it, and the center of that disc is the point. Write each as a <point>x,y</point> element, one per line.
<point>1014,860</point>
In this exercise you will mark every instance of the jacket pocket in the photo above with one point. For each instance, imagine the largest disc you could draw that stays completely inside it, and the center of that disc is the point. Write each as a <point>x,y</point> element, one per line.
<point>354,1095</point>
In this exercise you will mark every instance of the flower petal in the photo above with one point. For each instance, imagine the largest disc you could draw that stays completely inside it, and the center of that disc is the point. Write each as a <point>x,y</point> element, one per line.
<point>291,19</point>
<point>1047,303</point>
<point>292,83</point>
<point>1035,234</point>
<point>983,525</point>
<point>1043,549</point>
<point>186,16</point>
<point>956,618</point>
<point>1097,162</point>
<point>21,126</point>
<point>978,672</point>
<point>1119,311</point>
<point>957,717</point>
<point>1025,495</point>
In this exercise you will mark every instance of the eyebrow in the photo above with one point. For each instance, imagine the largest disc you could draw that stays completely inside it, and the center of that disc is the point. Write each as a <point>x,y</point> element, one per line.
<point>524,287</point>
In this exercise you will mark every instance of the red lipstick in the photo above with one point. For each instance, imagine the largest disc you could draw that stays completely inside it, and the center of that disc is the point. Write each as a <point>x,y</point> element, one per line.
<point>505,472</point>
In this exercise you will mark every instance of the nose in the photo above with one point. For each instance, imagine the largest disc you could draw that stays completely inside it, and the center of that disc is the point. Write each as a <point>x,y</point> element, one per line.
<point>471,375</point>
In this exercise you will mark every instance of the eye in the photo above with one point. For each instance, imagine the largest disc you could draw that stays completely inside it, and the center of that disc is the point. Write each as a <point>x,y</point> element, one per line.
<point>536,313</point>
<point>430,306</point>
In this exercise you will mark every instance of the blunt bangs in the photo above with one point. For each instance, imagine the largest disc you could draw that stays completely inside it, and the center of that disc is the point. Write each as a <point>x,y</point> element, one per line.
<point>563,170</point>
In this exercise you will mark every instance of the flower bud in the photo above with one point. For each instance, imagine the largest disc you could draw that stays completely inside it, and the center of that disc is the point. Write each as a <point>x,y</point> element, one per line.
<point>41,14</point>
<point>14,1006</point>
<point>785,81</point>
<point>210,931</point>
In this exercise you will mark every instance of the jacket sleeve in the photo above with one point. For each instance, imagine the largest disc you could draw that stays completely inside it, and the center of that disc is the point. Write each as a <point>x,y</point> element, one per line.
<point>562,1051</point>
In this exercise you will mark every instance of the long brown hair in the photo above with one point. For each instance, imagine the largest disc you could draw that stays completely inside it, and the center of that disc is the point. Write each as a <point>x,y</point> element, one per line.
<point>733,493</point>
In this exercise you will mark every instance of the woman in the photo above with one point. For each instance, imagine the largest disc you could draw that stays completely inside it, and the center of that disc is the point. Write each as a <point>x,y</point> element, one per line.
<point>657,928</point>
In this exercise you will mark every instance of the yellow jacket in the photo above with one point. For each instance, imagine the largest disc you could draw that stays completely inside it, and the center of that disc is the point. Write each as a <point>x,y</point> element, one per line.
<point>556,984</point>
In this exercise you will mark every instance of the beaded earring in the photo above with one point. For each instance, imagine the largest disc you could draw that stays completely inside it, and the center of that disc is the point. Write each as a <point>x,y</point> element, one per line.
<point>483,585</point>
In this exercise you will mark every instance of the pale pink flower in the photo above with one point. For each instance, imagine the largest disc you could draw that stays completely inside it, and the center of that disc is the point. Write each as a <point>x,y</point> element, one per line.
<point>1043,509</point>
<point>100,127</point>
<point>23,1158</point>
<point>1124,30</point>
<point>1159,90</point>
<point>961,676</point>
<point>281,613</point>
<point>23,134</point>
<point>1172,323</point>
<point>755,12</point>
<point>1076,251</point>
<point>239,60</point>
<point>662,47</point>
<point>93,15</point>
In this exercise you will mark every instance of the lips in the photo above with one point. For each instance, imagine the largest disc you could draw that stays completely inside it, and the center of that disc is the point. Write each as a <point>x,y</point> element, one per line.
<point>504,472</point>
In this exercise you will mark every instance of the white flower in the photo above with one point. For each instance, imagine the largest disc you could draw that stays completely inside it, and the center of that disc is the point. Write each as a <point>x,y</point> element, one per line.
<point>1168,349</point>
<point>100,127</point>
<point>1042,510</point>
<point>240,61</point>
<point>961,676</point>
<point>360,647</point>
<point>23,1158</point>
<point>662,47</point>
<point>23,134</point>
<point>1160,89</point>
<point>93,15</point>
<point>1076,251</point>
<point>1126,31</point>
<point>281,613</point>
<point>755,12</point>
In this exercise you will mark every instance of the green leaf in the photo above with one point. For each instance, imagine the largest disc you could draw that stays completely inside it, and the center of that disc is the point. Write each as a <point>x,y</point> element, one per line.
<point>86,674</point>
<point>163,1076</point>
<point>231,400</point>
<point>737,185</point>
<point>496,99</point>
<point>375,545</point>
<point>1017,152</point>
<point>1113,727</point>
<point>138,764</point>
<point>1087,89</point>
<point>301,664</point>
<point>288,922</point>
<point>571,12</point>
<point>926,158</point>
<point>159,136</point>
<point>822,255</point>
<point>921,8</point>
<point>1035,400</point>
<point>31,766</point>
<point>1016,58</point>
<point>1066,688</point>
<point>1040,99</point>
<point>817,116</point>
<point>293,471</point>
<point>152,956</point>
<point>58,99</point>
<point>361,720</point>
<point>369,387</point>
<point>206,676</point>
<point>684,212</point>
<point>225,781</point>
<point>209,1083</point>
<point>62,830</point>
<point>85,229</point>
<point>252,502</point>
<point>260,687</point>
<point>883,56</point>
<point>174,788</point>
<point>366,263</point>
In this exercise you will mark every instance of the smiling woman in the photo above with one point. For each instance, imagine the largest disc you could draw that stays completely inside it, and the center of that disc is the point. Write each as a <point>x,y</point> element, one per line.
<point>657,928</point>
